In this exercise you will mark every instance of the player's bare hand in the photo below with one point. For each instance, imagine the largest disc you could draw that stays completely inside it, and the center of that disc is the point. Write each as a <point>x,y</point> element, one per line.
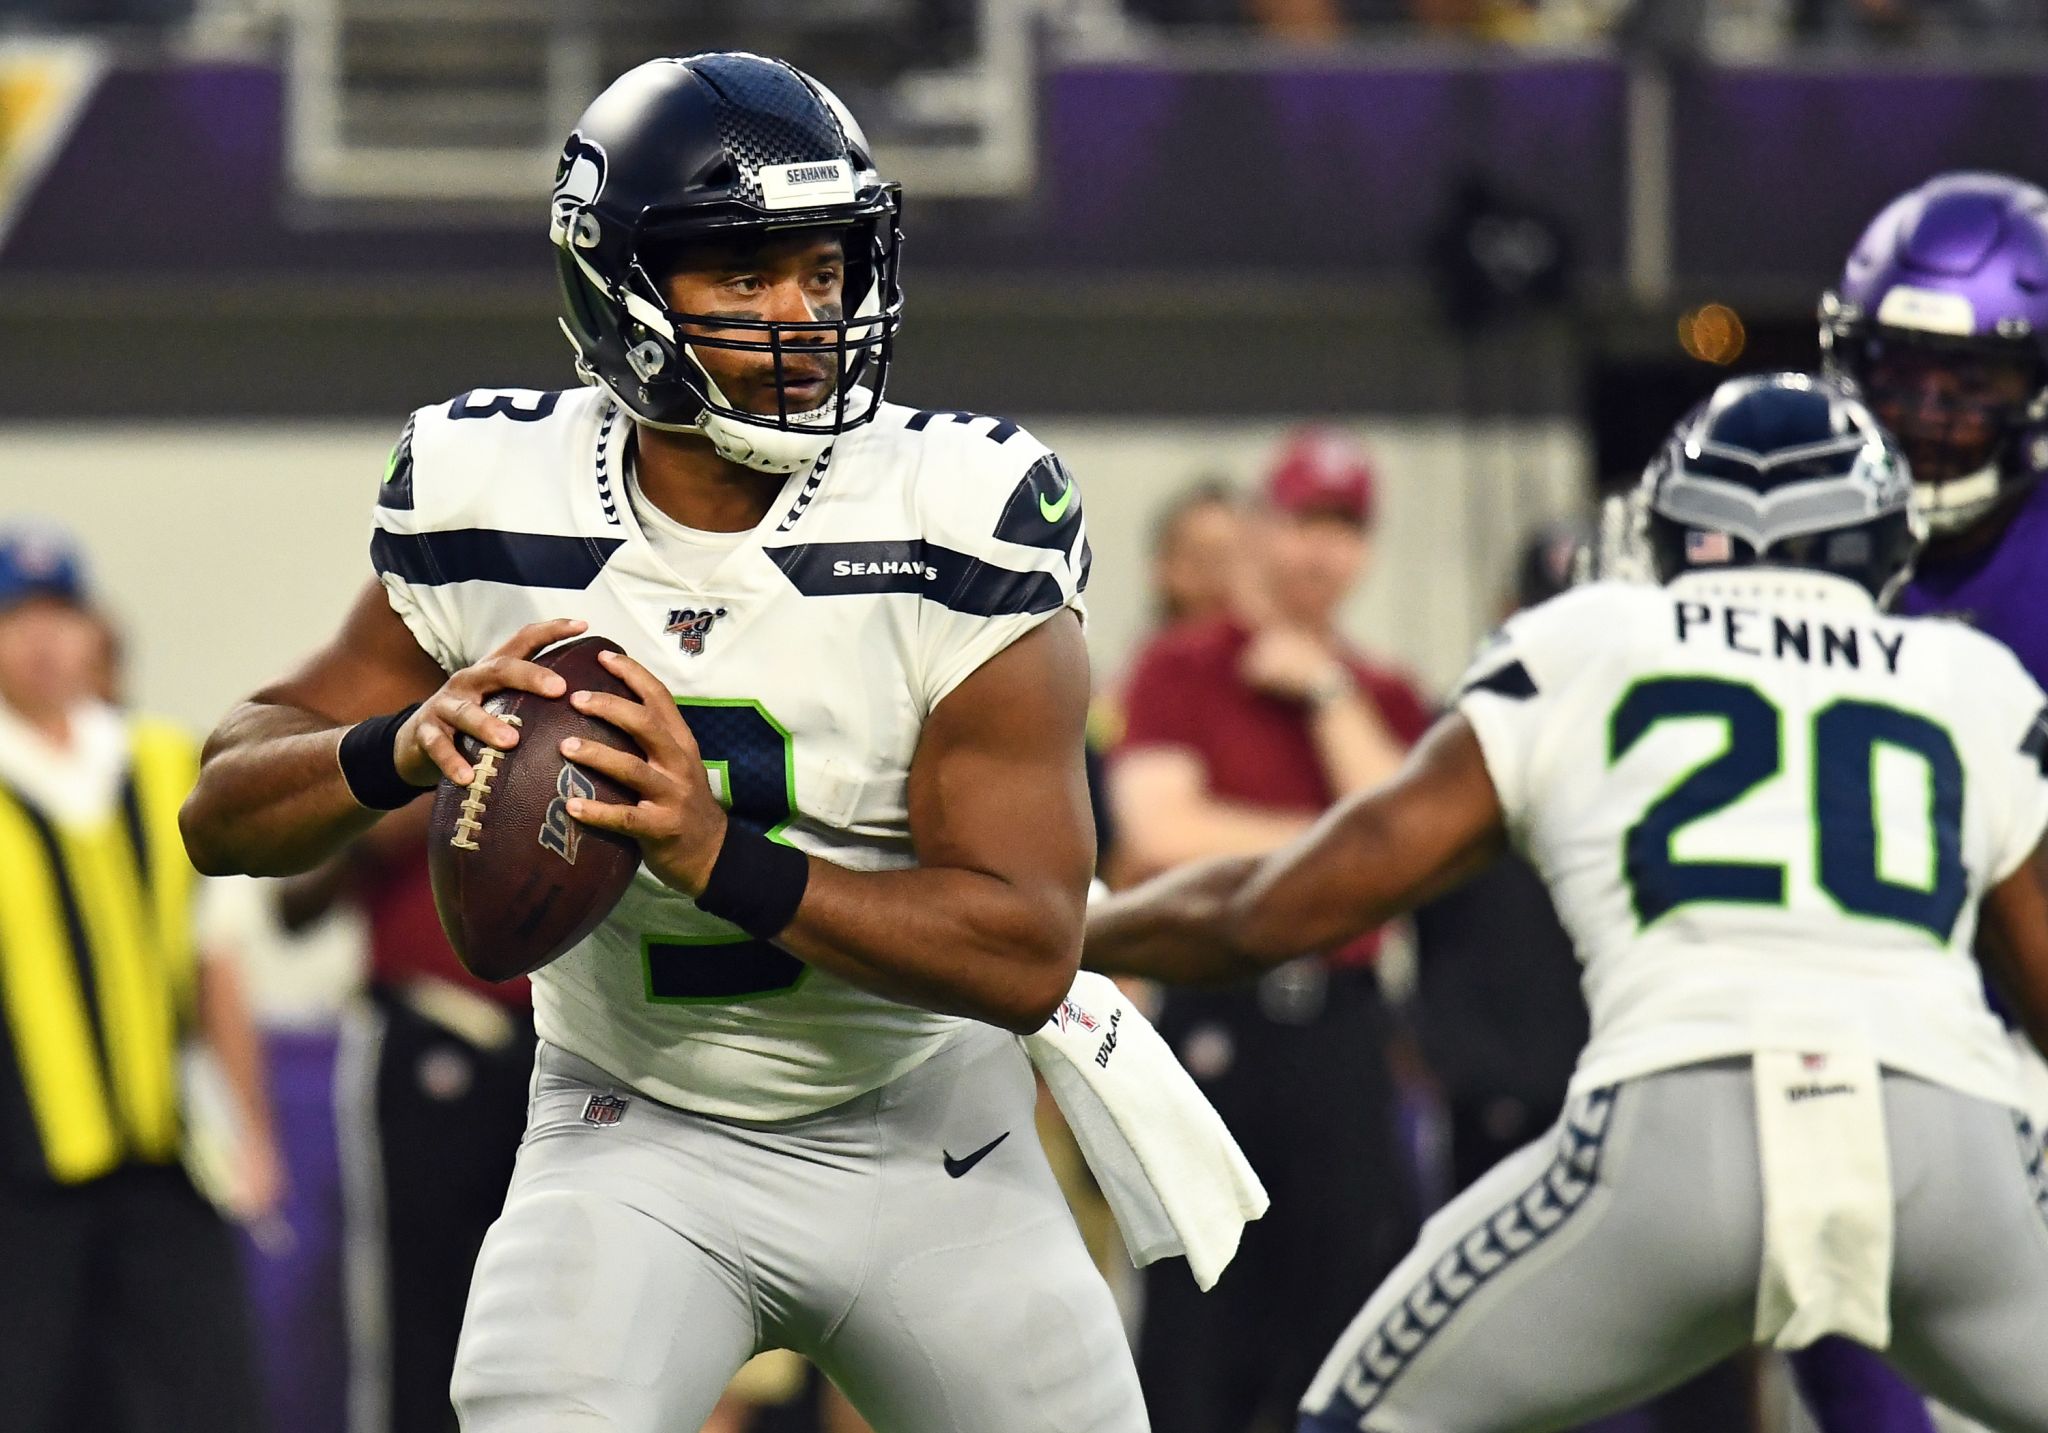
<point>425,747</point>
<point>677,821</point>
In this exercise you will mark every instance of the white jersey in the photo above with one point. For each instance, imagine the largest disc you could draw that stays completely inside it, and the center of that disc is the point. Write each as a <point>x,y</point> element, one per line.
<point>805,660</point>
<point>1767,814</point>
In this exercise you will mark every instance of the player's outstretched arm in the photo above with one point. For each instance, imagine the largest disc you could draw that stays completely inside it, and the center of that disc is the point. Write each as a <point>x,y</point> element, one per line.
<point>1369,859</point>
<point>271,798</point>
<point>2015,941</point>
<point>988,923</point>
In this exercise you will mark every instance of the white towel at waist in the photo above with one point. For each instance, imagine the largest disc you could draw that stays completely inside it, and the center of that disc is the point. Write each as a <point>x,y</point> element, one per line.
<point>1174,1177</point>
<point>1827,1198</point>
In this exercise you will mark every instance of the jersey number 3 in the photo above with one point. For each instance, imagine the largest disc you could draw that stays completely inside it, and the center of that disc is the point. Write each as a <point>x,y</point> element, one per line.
<point>1846,736</point>
<point>748,755</point>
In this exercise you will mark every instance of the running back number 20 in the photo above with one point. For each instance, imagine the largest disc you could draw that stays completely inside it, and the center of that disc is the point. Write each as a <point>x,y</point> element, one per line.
<point>1846,736</point>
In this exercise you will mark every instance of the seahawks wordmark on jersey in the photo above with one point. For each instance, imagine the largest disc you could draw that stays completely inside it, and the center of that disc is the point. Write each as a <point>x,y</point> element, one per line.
<point>1767,814</point>
<point>806,659</point>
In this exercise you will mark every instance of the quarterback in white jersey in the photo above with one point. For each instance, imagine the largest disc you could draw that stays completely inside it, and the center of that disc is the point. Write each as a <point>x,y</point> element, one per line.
<point>805,655</point>
<point>776,1089</point>
<point>1769,815</point>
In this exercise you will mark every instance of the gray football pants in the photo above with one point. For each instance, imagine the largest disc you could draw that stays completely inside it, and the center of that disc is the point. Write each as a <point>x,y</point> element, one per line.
<point>639,1263</point>
<point>1620,1254</point>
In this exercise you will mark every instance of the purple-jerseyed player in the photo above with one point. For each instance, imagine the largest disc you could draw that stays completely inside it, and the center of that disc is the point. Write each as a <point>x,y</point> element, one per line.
<point>1940,318</point>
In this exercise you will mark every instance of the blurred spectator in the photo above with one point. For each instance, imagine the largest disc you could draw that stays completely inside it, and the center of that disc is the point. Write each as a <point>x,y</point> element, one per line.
<point>67,14</point>
<point>107,679</point>
<point>1241,730</point>
<point>431,1094</point>
<point>1485,19</point>
<point>1918,21</point>
<point>123,1307</point>
<point>1311,21</point>
<point>1197,540</point>
<point>298,983</point>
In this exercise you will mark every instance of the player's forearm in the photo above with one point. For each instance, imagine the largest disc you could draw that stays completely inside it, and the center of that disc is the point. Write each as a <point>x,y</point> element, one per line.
<point>1203,830</point>
<point>271,799</point>
<point>2013,942</point>
<point>1175,929</point>
<point>229,1030</point>
<point>1356,749</point>
<point>958,941</point>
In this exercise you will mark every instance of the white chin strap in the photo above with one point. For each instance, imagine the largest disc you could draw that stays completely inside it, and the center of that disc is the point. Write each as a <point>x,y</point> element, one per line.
<point>777,450</point>
<point>1953,506</point>
<point>754,445</point>
<point>766,450</point>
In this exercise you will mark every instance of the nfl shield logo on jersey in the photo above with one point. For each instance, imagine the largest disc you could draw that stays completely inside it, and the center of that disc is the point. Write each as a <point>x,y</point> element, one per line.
<point>691,626</point>
<point>603,1109</point>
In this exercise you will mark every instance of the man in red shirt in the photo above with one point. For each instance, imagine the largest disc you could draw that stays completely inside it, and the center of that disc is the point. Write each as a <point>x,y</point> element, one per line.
<point>1239,732</point>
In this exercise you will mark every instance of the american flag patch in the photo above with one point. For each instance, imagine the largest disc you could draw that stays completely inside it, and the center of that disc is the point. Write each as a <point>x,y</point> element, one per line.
<point>1708,546</point>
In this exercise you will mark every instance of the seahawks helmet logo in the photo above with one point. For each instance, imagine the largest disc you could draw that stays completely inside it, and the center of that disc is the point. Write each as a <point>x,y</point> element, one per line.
<point>579,181</point>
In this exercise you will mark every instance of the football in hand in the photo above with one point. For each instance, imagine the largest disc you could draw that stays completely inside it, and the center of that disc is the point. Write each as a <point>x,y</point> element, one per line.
<point>517,881</point>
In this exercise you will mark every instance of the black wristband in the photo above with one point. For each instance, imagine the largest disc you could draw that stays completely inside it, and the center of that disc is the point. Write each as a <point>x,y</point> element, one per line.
<point>368,766</point>
<point>755,883</point>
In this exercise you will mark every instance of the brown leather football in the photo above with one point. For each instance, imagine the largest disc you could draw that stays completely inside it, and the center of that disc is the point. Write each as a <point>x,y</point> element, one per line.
<point>517,882</point>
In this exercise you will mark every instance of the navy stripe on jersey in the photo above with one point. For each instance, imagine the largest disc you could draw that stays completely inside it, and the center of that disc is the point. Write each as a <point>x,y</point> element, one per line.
<point>2036,742</point>
<point>1512,680</point>
<point>482,554</point>
<point>1045,509</point>
<point>937,574</point>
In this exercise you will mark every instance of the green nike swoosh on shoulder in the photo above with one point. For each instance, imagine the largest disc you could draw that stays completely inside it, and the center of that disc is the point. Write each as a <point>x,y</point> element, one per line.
<point>1053,512</point>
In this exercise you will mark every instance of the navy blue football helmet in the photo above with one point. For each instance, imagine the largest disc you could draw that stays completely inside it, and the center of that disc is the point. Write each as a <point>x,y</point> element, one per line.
<point>1783,470</point>
<point>720,145</point>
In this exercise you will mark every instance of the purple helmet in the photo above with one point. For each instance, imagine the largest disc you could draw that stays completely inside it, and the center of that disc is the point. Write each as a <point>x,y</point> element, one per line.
<point>1940,319</point>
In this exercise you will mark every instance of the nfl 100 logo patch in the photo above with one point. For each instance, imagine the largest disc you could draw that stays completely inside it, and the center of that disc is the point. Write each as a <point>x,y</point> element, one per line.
<point>691,625</point>
<point>606,1109</point>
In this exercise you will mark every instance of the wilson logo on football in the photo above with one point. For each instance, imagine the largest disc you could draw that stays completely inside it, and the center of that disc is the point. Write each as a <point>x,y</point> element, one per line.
<point>557,832</point>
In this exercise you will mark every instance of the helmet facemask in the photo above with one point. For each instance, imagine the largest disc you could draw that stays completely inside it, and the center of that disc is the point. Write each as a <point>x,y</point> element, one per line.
<point>675,389</point>
<point>1959,408</point>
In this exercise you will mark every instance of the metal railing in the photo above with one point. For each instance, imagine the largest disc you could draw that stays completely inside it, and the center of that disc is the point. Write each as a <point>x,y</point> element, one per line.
<point>465,102</point>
